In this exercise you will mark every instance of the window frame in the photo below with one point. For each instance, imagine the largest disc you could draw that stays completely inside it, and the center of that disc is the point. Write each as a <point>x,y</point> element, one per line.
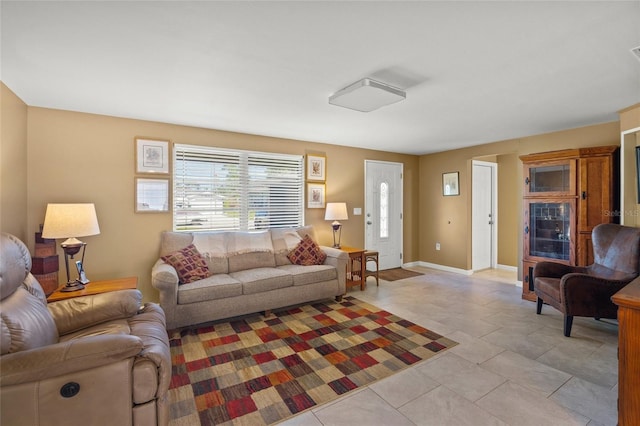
<point>221,189</point>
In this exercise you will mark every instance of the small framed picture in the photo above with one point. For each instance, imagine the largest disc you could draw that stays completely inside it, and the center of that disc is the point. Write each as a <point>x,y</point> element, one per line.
<point>316,168</point>
<point>315,195</point>
<point>450,184</point>
<point>152,156</point>
<point>82,277</point>
<point>152,195</point>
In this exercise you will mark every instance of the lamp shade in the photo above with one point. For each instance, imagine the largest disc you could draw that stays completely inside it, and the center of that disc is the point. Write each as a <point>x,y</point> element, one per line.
<point>70,220</point>
<point>336,211</point>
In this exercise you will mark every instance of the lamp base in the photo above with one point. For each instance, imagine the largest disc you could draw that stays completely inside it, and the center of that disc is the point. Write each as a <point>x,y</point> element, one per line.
<point>72,286</point>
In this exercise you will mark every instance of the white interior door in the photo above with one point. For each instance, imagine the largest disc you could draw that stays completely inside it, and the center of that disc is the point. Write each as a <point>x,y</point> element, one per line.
<point>483,208</point>
<point>383,211</point>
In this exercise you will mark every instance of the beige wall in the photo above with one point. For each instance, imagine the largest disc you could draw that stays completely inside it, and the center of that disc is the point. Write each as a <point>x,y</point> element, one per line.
<point>13,164</point>
<point>630,209</point>
<point>75,157</point>
<point>447,220</point>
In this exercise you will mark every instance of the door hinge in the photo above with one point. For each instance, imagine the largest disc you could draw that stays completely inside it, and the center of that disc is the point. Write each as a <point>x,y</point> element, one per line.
<point>400,256</point>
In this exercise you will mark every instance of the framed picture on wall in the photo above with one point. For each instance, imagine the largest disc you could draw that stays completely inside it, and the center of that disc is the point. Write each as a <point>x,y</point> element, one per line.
<point>315,195</point>
<point>450,184</point>
<point>316,168</point>
<point>152,195</point>
<point>152,156</point>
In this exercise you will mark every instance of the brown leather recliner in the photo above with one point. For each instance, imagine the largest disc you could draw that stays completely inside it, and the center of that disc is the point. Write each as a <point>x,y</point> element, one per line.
<point>586,291</point>
<point>93,360</point>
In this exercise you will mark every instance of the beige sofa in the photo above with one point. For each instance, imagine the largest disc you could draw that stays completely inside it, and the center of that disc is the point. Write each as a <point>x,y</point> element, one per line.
<point>250,272</point>
<point>92,360</point>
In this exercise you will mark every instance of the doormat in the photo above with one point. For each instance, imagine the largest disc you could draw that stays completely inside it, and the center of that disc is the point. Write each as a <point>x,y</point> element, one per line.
<point>397,274</point>
<point>260,371</point>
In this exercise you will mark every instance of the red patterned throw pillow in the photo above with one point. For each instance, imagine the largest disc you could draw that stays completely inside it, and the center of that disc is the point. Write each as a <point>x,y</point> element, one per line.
<point>188,263</point>
<point>306,253</point>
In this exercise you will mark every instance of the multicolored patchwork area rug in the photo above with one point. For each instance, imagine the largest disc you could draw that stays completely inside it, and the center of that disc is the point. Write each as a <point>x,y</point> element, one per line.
<point>259,370</point>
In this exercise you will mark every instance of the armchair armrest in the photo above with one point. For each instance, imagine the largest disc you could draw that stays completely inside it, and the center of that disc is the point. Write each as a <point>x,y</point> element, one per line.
<point>66,357</point>
<point>81,312</point>
<point>583,293</point>
<point>555,270</point>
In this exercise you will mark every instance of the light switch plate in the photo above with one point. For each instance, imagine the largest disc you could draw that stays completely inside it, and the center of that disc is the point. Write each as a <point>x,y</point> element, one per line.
<point>357,211</point>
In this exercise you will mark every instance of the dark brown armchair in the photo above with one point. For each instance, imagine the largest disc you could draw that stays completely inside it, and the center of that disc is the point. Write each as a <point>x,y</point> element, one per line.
<point>586,291</point>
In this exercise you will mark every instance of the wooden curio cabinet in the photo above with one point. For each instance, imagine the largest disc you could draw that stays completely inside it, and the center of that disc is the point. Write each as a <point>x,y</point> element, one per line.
<point>566,194</point>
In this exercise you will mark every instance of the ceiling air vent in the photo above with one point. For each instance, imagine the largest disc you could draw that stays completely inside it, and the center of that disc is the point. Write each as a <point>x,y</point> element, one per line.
<point>636,52</point>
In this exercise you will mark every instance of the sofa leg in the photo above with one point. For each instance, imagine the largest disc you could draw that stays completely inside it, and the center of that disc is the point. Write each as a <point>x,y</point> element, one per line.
<point>539,306</point>
<point>267,313</point>
<point>568,322</point>
<point>339,298</point>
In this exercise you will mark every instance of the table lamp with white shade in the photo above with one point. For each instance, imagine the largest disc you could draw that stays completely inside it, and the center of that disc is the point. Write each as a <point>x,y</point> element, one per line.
<point>336,212</point>
<point>71,221</point>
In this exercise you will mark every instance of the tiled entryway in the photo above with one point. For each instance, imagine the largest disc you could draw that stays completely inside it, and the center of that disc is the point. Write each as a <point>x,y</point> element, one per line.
<point>511,367</point>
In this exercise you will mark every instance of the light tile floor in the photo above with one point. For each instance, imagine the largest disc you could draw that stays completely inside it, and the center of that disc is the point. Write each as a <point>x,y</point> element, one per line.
<point>511,367</point>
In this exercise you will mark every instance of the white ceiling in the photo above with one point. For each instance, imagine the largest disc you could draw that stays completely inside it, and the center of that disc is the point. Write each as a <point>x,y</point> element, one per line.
<point>474,72</point>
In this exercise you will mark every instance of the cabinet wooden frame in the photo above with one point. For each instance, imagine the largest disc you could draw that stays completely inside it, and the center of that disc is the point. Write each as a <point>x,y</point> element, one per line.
<point>591,191</point>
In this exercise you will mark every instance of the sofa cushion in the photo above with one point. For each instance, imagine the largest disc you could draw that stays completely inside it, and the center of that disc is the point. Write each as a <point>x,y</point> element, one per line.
<point>217,286</point>
<point>188,263</point>
<point>248,250</point>
<point>213,247</point>
<point>171,242</point>
<point>303,275</point>
<point>258,280</point>
<point>307,252</point>
<point>284,240</point>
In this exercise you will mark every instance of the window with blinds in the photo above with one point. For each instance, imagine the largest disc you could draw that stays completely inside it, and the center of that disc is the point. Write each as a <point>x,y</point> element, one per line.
<point>221,189</point>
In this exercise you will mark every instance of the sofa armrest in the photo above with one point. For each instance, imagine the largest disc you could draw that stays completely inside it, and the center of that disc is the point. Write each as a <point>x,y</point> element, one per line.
<point>81,312</point>
<point>165,279</point>
<point>339,259</point>
<point>66,357</point>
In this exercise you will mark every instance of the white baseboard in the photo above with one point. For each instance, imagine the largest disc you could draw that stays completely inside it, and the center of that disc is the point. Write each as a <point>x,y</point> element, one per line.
<point>440,267</point>
<point>507,268</point>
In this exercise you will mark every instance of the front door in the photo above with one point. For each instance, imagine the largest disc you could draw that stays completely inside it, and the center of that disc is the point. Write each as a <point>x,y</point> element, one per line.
<point>383,211</point>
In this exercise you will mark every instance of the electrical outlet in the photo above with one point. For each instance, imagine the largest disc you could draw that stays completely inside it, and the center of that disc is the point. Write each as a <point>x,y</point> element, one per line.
<point>437,246</point>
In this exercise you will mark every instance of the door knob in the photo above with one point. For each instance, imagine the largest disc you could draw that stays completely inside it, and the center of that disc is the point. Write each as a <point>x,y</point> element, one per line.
<point>369,222</point>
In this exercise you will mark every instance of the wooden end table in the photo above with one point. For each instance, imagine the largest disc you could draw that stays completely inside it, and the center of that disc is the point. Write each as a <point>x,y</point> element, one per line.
<point>95,287</point>
<point>355,277</point>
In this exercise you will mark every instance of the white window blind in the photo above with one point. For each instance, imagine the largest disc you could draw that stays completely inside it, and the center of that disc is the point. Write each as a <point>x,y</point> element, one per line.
<point>222,189</point>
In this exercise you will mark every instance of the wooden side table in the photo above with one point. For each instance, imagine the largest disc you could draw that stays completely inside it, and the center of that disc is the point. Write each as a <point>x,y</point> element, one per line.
<point>355,277</point>
<point>95,287</point>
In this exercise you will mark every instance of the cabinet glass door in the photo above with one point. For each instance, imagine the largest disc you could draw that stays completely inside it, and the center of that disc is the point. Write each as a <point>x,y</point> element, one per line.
<point>550,178</point>
<point>549,230</point>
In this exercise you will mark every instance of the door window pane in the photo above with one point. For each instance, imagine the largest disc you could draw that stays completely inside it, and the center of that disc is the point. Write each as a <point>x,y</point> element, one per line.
<point>384,210</point>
